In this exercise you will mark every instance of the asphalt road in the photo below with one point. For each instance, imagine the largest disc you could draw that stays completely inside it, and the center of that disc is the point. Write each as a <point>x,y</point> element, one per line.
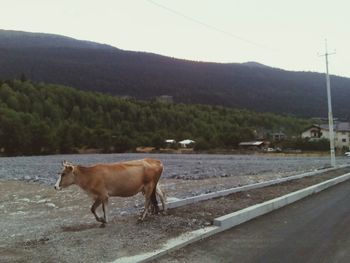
<point>316,229</point>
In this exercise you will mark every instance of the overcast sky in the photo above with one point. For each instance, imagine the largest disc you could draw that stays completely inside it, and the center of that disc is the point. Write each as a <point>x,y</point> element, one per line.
<point>284,34</point>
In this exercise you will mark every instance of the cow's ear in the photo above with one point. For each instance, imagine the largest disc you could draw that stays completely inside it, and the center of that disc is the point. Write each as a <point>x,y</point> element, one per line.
<point>70,167</point>
<point>65,163</point>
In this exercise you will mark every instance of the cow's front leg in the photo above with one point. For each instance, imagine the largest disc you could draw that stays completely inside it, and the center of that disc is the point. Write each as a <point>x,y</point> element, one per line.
<point>96,204</point>
<point>105,210</point>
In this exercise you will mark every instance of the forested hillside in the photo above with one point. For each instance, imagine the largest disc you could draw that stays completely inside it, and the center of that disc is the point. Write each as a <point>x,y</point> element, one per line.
<point>43,118</point>
<point>91,66</point>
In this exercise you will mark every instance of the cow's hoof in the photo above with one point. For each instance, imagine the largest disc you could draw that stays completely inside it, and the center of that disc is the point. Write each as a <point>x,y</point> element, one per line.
<point>103,225</point>
<point>102,220</point>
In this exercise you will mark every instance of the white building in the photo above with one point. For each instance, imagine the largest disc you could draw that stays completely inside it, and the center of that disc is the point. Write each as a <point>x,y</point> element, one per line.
<point>341,133</point>
<point>186,143</point>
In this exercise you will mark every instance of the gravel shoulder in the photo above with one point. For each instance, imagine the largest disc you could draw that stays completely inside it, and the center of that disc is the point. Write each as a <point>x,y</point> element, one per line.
<point>39,224</point>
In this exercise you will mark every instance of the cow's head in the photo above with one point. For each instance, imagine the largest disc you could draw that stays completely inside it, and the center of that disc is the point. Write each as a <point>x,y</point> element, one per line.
<point>66,178</point>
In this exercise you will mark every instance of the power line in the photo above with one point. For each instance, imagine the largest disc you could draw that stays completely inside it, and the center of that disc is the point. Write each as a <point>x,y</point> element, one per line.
<point>214,28</point>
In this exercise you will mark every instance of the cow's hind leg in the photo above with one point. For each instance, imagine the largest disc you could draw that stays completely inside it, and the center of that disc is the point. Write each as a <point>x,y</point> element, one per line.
<point>150,192</point>
<point>154,201</point>
<point>162,198</point>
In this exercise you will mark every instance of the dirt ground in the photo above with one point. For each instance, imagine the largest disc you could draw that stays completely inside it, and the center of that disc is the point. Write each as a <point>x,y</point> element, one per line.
<point>39,224</point>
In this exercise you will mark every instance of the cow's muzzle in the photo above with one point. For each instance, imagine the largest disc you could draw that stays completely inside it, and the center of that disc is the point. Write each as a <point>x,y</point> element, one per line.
<point>57,184</point>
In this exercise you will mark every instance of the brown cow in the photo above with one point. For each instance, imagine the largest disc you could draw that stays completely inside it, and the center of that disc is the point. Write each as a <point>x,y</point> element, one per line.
<point>115,179</point>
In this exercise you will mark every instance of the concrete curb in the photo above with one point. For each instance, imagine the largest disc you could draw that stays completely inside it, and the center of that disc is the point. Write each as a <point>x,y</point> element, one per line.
<point>230,220</point>
<point>203,197</point>
<point>239,217</point>
<point>172,244</point>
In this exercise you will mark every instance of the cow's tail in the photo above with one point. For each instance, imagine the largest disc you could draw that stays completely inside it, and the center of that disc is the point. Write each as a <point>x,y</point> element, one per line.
<point>158,191</point>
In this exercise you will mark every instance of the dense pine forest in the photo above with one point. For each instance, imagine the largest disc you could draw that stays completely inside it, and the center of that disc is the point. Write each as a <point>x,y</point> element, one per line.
<point>46,119</point>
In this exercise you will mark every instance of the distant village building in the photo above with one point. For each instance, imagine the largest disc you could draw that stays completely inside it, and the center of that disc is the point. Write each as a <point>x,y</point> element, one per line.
<point>341,133</point>
<point>170,142</point>
<point>278,136</point>
<point>186,143</point>
<point>165,99</point>
<point>254,145</point>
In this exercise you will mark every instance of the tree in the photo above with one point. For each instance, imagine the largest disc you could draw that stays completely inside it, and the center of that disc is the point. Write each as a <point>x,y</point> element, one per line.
<point>123,144</point>
<point>13,103</point>
<point>14,136</point>
<point>75,114</point>
<point>40,138</point>
<point>65,138</point>
<point>158,141</point>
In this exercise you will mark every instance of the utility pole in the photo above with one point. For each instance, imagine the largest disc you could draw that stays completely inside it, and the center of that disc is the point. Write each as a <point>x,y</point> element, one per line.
<point>330,114</point>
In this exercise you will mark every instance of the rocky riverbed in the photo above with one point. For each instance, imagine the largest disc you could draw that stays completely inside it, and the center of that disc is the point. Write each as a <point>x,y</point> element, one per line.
<point>44,169</point>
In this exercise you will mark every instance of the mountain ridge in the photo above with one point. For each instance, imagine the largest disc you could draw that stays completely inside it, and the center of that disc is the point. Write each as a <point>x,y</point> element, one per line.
<point>99,67</point>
